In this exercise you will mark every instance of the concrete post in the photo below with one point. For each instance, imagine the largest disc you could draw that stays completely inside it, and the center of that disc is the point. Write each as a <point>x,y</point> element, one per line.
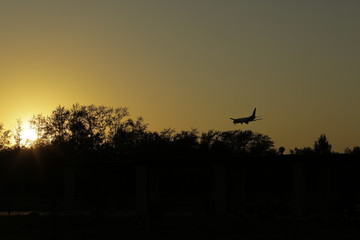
<point>298,189</point>
<point>153,185</point>
<point>141,189</point>
<point>326,197</point>
<point>69,176</point>
<point>220,189</point>
<point>239,191</point>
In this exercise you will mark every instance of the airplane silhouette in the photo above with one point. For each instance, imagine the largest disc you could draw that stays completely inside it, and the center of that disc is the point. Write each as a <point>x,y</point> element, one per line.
<point>246,119</point>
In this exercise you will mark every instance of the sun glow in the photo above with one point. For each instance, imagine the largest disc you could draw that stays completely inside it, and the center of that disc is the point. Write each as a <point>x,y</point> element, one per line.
<point>28,136</point>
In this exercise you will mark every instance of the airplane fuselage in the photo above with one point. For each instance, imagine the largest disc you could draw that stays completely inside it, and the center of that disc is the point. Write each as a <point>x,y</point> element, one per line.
<point>245,119</point>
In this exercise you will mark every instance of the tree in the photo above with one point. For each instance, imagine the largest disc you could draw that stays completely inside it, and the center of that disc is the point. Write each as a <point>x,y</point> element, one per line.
<point>41,125</point>
<point>82,127</point>
<point>186,142</point>
<point>114,122</point>
<point>355,150</point>
<point>17,134</point>
<point>4,137</point>
<point>302,151</point>
<point>131,137</point>
<point>281,150</point>
<point>207,140</point>
<point>234,142</point>
<point>242,143</point>
<point>261,144</point>
<point>105,130</point>
<point>58,125</point>
<point>322,146</point>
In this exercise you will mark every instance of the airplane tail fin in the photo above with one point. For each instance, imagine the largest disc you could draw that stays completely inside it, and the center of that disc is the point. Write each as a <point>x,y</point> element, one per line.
<point>254,112</point>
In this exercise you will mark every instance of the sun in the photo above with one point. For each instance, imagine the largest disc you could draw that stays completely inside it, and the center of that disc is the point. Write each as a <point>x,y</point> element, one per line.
<point>28,136</point>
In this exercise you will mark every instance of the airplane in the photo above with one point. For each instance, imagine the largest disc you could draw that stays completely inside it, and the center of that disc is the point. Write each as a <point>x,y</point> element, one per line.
<point>246,119</point>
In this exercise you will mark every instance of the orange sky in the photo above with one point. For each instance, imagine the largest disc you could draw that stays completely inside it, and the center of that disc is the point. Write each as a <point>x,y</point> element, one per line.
<point>186,64</point>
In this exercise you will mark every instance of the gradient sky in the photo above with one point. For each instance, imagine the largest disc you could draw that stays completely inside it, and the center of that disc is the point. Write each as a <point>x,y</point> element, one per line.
<point>184,64</point>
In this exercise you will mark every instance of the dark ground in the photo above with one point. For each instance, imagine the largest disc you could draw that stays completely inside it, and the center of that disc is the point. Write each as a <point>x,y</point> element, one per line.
<point>172,227</point>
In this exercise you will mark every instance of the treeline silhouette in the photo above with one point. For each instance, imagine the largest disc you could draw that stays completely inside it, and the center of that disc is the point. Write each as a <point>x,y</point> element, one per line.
<point>102,129</point>
<point>97,158</point>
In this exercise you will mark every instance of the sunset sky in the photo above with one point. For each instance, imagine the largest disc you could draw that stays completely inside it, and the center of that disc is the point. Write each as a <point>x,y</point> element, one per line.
<point>189,63</point>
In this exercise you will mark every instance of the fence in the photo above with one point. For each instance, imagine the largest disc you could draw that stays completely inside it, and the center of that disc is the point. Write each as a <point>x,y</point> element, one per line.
<point>288,186</point>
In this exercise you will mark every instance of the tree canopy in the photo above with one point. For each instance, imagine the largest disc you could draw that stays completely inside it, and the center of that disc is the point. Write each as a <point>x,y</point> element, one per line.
<point>321,147</point>
<point>103,129</point>
<point>111,131</point>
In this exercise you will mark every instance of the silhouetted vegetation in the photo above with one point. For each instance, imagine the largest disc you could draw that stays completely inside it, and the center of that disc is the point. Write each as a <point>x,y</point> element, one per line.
<point>111,131</point>
<point>281,150</point>
<point>17,134</point>
<point>98,158</point>
<point>4,137</point>
<point>354,150</point>
<point>302,151</point>
<point>321,147</point>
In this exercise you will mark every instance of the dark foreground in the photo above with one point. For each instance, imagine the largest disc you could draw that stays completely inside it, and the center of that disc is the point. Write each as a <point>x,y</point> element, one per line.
<point>172,227</point>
